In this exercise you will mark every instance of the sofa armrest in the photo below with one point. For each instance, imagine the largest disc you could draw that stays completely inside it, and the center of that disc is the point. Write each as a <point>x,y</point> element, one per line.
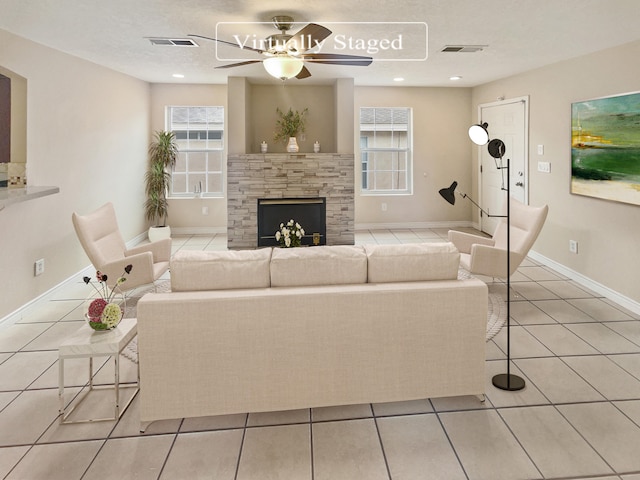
<point>464,241</point>
<point>160,249</point>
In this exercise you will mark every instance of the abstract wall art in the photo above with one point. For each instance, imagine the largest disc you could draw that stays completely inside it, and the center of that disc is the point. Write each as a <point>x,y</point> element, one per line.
<point>605,148</point>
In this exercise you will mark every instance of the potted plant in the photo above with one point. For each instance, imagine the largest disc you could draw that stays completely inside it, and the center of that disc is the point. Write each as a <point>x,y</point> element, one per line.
<point>163,152</point>
<point>288,126</point>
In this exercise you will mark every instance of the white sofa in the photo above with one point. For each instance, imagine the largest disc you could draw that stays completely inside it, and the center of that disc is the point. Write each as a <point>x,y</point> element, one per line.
<point>282,329</point>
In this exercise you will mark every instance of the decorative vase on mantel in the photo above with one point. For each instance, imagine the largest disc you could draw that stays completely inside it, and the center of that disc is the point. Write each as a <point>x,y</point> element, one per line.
<point>292,146</point>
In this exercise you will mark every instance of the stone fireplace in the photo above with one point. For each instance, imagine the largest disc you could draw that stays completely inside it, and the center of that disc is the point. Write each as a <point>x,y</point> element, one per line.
<point>278,176</point>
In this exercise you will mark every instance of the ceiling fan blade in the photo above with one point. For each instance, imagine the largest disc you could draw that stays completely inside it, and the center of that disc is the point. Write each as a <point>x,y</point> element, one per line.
<point>233,44</point>
<point>231,65</point>
<point>338,59</point>
<point>307,38</point>
<point>304,73</point>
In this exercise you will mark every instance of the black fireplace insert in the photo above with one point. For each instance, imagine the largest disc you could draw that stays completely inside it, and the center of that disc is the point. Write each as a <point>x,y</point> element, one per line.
<point>310,213</point>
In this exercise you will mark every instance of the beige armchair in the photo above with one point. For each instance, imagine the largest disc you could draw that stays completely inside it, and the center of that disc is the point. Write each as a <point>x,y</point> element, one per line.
<point>488,256</point>
<point>101,239</point>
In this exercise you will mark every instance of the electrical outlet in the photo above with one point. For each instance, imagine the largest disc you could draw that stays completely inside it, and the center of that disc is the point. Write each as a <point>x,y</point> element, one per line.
<point>205,210</point>
<point>573,246</point>
<point>38,267</point>
<point>384,207</point>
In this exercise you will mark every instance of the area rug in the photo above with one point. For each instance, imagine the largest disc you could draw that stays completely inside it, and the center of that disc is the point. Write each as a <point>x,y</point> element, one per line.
<point>496,313</point>
<point>131,350</point>
<point>496,309</point>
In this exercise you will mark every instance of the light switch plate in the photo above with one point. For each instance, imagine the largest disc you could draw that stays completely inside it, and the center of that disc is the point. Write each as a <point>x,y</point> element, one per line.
<point>544,167</point>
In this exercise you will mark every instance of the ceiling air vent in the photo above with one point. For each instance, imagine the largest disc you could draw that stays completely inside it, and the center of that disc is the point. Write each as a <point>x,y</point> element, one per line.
<point>463,48</point>
<point>173,42</point>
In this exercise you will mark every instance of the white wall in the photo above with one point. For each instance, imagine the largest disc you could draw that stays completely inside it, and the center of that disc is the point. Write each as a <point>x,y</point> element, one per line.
<point>441,154</point>
<point>607,232</point>
<point>442,151</point>
<point>87,133</point>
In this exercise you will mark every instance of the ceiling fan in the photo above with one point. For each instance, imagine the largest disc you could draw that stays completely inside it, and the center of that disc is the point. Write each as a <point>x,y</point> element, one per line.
<point>286,53</point>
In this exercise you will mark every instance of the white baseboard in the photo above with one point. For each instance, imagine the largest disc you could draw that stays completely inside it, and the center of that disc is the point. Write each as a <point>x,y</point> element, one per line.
<point>592,285</point>
<point>197,230</point>
<point>412,225</point>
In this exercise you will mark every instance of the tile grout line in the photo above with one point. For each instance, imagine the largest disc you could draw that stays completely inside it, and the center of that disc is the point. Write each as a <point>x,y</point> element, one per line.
<point>453,448</point>
<point>175,439</point>
<point>384,454</point>
<point>244,434</point>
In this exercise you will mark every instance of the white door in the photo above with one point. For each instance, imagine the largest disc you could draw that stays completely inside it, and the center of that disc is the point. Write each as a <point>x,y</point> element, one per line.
<point>508,121</point>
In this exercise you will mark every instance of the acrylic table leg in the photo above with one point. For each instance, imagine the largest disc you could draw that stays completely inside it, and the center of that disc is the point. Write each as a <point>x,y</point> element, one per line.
<point>61,385</point>
<point>117,383</point>
<point>90,373</point>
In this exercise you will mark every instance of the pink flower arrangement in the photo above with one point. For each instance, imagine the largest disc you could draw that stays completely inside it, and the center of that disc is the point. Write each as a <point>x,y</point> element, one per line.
<point>102,313</point>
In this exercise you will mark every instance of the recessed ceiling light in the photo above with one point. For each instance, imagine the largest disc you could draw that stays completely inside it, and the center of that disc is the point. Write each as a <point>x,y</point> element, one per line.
<point>398,79</point>
<point>178,75</point>
<point>455,77</point>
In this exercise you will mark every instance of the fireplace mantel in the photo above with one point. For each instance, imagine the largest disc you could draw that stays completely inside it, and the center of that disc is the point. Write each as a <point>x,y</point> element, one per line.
<point>282,175</point>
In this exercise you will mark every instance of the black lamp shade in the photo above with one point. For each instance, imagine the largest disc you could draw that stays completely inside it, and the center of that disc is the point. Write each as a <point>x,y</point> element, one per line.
<point>449,193</point>
<point>496,148</point>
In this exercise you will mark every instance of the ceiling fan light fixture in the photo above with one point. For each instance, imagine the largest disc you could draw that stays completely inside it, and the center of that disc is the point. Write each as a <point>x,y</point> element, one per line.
<point>283,66</point>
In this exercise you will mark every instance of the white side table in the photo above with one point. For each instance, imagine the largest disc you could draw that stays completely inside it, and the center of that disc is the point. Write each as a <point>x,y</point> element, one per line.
<point>86,343</point>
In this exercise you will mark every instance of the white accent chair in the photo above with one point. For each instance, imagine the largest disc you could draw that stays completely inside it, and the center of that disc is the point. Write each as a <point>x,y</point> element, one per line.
<point>488,256</point>
<point>100,237</point>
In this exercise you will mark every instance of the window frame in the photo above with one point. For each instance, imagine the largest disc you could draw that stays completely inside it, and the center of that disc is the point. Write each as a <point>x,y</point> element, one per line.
<point>406,152</point>
<point>198,130</point>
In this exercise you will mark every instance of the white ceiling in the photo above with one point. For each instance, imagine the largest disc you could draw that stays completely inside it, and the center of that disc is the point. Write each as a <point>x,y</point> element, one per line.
<point>520,35</point>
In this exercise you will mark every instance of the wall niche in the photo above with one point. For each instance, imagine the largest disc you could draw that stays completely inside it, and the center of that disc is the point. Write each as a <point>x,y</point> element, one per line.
<point>13,129</point>
<point>251,115</point>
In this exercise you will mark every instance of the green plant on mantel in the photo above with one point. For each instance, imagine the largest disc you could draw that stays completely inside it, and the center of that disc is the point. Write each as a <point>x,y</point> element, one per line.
<point>289,124</point>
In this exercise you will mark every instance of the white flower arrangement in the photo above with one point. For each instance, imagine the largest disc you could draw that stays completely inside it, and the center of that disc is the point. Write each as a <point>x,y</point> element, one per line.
<point>290,234</point>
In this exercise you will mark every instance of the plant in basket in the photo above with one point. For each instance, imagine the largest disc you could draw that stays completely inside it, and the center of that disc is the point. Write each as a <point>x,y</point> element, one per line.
<point>103,312</point>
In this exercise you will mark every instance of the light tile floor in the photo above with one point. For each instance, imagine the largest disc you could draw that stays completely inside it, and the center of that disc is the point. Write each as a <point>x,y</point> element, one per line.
<point>579,416</point>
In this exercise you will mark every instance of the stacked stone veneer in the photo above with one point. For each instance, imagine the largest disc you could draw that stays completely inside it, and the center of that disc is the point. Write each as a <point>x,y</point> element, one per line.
<point>298,175</point>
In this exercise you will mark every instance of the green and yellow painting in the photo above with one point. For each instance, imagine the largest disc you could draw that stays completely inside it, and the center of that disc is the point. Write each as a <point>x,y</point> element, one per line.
<point>605,148</point>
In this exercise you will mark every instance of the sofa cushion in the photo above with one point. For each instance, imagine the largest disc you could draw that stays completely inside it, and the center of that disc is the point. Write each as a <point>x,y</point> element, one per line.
<point>220,270</point>
<point>323,265</point>
<point>412,262</point>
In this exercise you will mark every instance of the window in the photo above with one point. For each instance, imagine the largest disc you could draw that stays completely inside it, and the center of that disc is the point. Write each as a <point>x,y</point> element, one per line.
<point>385,150</point>
<point>200,137</point>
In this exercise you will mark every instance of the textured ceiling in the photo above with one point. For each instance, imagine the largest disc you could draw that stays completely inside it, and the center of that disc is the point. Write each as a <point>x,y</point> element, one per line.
<point>520,35</point>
